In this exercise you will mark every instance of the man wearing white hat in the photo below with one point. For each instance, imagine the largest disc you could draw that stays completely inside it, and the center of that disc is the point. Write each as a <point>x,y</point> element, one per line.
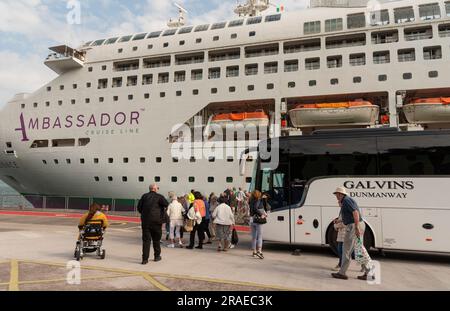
<point>355,226</point>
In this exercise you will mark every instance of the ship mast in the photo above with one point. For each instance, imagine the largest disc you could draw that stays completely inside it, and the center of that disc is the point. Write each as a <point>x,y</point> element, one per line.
<point>181,20</point>
<point>252,8</point>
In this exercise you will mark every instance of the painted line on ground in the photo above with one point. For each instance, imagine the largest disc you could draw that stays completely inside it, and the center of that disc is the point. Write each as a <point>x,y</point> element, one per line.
<point>110,217</point>
<point>221,281</point>
<point>154,282</point>
<point>14,276</point>
<point>88,278</point>
<point>172,276</point>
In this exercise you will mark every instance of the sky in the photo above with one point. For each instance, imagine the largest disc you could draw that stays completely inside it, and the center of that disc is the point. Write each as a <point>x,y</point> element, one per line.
<point>29,27</point>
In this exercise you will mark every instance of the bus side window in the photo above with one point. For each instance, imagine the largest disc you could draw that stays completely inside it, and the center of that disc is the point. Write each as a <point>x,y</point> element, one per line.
<point>277,194</point>
<point>297,188</point>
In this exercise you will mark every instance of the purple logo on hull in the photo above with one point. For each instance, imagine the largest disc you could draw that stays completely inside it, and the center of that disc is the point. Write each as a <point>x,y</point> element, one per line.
<point>78,121</point>
<point>22,128</point>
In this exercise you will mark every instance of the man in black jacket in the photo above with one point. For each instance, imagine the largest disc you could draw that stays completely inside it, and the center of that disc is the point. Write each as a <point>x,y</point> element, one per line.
<point>152,206</point>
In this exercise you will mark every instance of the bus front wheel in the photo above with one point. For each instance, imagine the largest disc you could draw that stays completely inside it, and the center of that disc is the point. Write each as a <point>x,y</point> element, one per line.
<point>332,236</point>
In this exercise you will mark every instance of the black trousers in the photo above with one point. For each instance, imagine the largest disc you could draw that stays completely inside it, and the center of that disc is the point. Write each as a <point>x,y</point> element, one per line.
<point>151,232</point>
<point>207,228</point>
<point>200,229</point>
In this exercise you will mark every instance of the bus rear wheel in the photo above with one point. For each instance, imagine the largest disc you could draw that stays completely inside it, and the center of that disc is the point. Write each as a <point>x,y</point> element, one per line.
<point>332,236</point>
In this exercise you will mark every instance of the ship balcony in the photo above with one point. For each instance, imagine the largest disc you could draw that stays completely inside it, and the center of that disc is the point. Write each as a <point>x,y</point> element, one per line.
<point>64,59</point>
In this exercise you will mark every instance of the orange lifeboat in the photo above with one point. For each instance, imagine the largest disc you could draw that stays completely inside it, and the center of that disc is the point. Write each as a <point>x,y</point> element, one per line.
<point>357,112</point>
<point>428,110</point>
<point>258,118</point>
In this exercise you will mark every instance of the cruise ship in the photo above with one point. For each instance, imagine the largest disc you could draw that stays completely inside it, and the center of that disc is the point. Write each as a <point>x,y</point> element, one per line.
<point>121,110</point>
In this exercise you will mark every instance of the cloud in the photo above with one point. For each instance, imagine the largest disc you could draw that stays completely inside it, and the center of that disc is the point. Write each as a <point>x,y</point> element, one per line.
<point>30,26</point>
<point>21,74</point>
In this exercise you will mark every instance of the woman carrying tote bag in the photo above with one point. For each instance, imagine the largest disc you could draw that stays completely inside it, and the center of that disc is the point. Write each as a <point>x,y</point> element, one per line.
<point>257,220</point>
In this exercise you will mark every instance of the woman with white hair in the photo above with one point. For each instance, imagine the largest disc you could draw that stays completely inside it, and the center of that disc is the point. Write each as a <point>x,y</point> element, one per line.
<point>175,212</point>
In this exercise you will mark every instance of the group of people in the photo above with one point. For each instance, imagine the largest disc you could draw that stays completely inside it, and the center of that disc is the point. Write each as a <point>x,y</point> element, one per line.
<point>200,216</point>
<point>214,217</point>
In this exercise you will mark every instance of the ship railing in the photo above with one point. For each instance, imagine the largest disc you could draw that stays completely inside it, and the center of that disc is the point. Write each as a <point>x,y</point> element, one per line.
<point>420,36</point>
<point>66,203</point>
<point>444,33</point>
<point>125,68</point>
<point>62,52</point>
<point>297,49</point>
<point>290,68</point>
<point>381,60</point>
<point>357,62</point>
<point>384,40</point>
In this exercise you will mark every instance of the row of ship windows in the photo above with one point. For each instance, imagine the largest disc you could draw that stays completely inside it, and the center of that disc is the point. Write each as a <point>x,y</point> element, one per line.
<point>143,160</point>
<point>56,143</point>
<point>185,30</point>
<point>250,88</point>
<point>401,15</point>
<point>335,61</point>
<point>173,179</point>
<point>183,42</point>
<point>377,37</point>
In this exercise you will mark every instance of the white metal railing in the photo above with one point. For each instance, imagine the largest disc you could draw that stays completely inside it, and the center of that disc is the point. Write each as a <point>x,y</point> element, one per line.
<point>197,76</point>
<point>291,68</point>
<point>232,73</point>
<point>357,62</point>
<point>312,66</point>
<point>301,48</point>
<point>444,33</point>
<point>251,71</point>
<point>147,81</point>
<point>335,45</point>
<point>384,40</point>
<point>381,60</point>
<point>156,64</point>
<point>63,203</point>
<point>214,75</point>
<point>418,36</point>
<point>406,58</point>
<point>188,61</point>
<point>270,70</point>
<point>223,57</point>
<point>180,78</point>
<point>261,53</point>
<point>126,68</point>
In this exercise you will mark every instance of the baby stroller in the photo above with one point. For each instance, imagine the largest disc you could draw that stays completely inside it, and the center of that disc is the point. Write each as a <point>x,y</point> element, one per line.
<point>90,240</point>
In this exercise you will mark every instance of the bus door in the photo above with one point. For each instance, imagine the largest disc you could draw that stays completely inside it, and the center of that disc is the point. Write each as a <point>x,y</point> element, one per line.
<point>278,227</point>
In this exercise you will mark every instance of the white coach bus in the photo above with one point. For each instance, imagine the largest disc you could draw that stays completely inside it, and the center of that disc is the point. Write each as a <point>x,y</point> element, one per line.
<point>400,180</point>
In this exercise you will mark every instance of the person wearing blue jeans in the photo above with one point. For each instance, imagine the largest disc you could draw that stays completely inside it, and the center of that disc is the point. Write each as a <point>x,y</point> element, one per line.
<point>257,209</point>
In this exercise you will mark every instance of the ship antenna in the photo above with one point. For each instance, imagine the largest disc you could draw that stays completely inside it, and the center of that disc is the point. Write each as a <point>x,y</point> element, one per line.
<point>181,20</point>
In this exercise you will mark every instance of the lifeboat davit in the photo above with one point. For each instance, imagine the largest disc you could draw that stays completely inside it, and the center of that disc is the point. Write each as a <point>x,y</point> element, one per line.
<point>428,110</point>
<point>334,114</point>
<point>257,118</point>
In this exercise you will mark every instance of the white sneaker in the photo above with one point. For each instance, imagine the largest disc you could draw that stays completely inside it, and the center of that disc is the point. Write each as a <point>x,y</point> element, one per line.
<point>232,246</point>
<point>171,246</point>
